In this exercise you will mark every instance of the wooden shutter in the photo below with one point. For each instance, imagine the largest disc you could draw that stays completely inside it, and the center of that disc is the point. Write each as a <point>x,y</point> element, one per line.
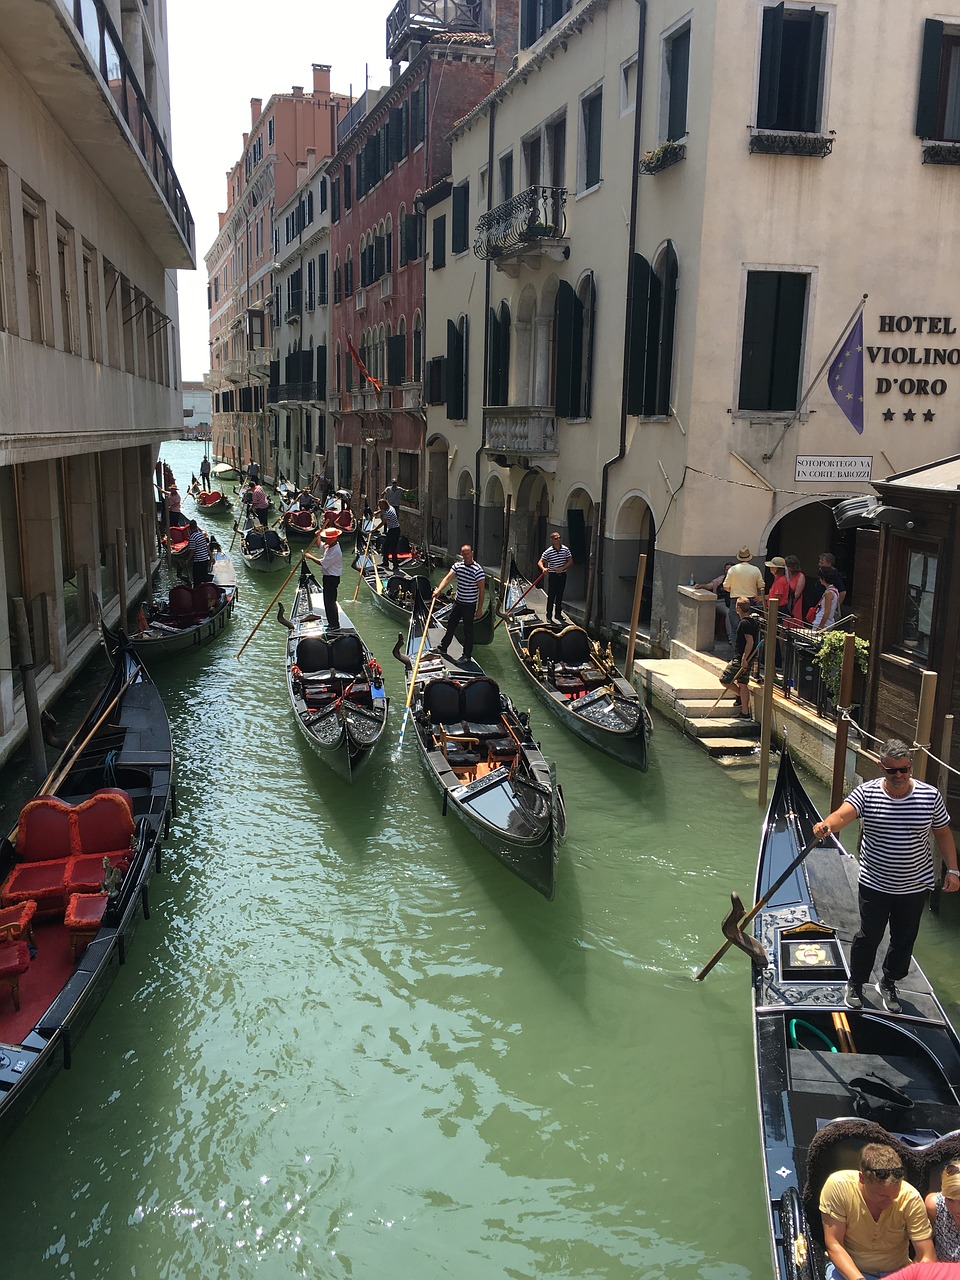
<point>322,279</point>
<point>528,22</point>
<point>810,122</point>
<point>347,187</point>
<point>436,378</point>
<point>668,315</point>
<point>394,135</point>
<point>771,42</point>
<point>397,360</point>
<point>679,76</point>
<point>335,200</point>
<point>564,316</point>
<point>321,378</point>
<point>306,365</point>
<point>460,229</point>
<point>493,358</point>
<point>772,337</point>
<point>379,257</point>
<point>411,237</point>
<point>586,362</point>
<point>928,98</point>
<point>504,370</point>
<point>454,373</point>
<point>644,332</point>
<point>439,242</point>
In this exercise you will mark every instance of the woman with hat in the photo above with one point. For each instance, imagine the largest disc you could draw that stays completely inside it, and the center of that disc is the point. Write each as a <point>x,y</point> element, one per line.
<point>743,580</point>
<point>943,1210</point>
<point>780,588</point>
<point>331,566</point>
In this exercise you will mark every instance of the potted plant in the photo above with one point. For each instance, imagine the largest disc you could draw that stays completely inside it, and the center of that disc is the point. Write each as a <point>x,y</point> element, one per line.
<point>829,658</point>
<point>662,157</point>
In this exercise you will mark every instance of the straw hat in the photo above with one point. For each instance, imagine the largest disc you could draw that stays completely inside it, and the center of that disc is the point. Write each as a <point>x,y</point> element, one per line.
<point>330,535</point>
<point>777,562</point>
<point>950,1183</point>
<point>744,554</point>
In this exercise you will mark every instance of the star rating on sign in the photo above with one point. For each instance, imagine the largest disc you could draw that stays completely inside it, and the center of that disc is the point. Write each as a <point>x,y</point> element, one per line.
<point>929,416</point>
<point>888,415</point>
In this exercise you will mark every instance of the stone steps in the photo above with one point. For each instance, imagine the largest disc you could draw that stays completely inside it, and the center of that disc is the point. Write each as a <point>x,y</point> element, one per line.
<point>685,691</point>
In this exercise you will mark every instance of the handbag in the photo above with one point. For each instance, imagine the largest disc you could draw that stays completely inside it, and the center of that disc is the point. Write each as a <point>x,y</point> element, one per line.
<point>811,613</point>
<point>875,1099</point>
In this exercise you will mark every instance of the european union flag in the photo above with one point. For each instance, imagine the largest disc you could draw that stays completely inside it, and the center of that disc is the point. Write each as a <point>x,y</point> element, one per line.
<point>846,376</point>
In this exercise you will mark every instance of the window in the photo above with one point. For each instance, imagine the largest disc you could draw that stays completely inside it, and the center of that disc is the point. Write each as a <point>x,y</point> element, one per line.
<point>439,242</point>
<point>773,325</point>
<point>919,592</point>
<point>653,314</point>
<point>673,86</point>
<point>938,102</point>
<point>505,174</point>
<point>408,471</point>
<point>33,255</point>
<point>460,225</point>
<point>456,370</point>
<point>792,44</point>
<point>270,132</point>
<point>91,310</point>
<point>397,360</point>
<point>574,324</point>
<point>591,124</point>
<point>557,151</point>
<point>498,356</point>
<point>417,347</point>
<point>344,466</point>
<point>532,152</point>
<point>538,16</point>
<point>628,86</point>
<point>65,273</point>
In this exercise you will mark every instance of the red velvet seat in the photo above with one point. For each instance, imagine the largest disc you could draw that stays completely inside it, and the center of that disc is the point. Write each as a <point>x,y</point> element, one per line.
<point>14,960</point>
<point>84,874</point>
<point>180,604</point>
<point>17,921</point>
<point>39,882</point>
<point>83,918</point>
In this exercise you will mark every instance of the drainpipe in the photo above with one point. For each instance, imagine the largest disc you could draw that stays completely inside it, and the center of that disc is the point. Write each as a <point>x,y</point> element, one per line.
<point>628,325</point>
<point>488,267</point>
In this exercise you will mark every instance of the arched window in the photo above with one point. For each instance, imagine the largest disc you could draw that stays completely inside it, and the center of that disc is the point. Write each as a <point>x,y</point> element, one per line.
<point>573,315</point>
<point>337,280</point>
<point>498,355</point>
<point>388,239</point>
<point>456,371</point>
<point>653,321</point>
<point>397,355</point>
<point>417,353</point>
<point>401,236</point>
<point>348,274</point>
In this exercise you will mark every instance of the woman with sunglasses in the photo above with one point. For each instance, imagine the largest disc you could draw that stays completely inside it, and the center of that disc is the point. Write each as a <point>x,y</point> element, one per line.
<point>897,814</point>
<point>943,1210</point>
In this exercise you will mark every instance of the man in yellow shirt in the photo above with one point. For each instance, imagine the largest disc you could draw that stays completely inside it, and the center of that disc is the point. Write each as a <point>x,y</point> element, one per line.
<point>870,1218</point>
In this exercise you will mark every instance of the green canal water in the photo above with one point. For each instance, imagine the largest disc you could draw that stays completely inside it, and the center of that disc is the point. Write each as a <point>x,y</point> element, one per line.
<point>347,1043</point>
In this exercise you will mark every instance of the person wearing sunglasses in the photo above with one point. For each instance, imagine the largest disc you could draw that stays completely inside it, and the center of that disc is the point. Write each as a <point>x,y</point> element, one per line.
<point>871,1217</point>
<point>897,814</point>
<point>943,1210</point>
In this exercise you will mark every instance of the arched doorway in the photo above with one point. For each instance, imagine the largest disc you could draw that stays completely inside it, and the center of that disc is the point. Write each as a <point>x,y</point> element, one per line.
<point>438,505</point>
<point>491,525</point>
<point>528,529</point>
<point>634,533</point>
<point>461,513</point>
<point>806,530</point>
<point>576,524</point>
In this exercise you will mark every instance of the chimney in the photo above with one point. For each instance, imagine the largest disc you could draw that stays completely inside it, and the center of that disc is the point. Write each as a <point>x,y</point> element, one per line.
<point>297,90</point>
<point>301,167</point>
<point>321,78</point>
<point>311,159</point>
<point>256,107</point>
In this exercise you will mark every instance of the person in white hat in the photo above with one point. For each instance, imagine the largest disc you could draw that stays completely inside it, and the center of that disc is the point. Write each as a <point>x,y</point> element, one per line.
<point>331,566</point>
<point>780,587</point>
<point>743,580</point>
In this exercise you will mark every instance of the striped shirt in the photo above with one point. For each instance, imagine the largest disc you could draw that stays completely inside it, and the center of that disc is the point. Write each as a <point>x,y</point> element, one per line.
<point>895,854</point>
<point>198,547</point>
<point>556,558</point>
<point>390,519</point>
<point>469,577</point>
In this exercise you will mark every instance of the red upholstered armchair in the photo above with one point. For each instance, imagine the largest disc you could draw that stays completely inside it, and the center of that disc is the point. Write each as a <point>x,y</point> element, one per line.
<point>17,921</point>
<point>14,960</point>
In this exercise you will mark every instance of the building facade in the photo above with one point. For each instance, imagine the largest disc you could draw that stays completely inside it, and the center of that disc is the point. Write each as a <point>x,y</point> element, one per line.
<point>93,224</point>
<point>197,411</point>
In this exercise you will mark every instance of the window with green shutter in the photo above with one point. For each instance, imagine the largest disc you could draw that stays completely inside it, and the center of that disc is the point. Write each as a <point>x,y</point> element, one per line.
<point>773,324</point>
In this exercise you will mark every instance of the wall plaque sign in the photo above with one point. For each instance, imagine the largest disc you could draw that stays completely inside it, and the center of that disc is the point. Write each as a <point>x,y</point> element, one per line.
<point>827,468</point>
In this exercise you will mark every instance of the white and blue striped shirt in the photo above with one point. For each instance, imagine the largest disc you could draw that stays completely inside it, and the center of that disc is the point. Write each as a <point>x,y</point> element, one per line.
<point>555,558</point>
<point>895,854</point>
<point>469,577</point>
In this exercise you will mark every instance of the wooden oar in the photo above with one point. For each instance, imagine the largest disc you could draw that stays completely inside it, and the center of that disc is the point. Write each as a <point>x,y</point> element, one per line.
<point>758,906</point>
<point>363,564</point>
<point>268,608</point>
<point>727,687</point>
<point>502,617</point>
<point>416,668</point>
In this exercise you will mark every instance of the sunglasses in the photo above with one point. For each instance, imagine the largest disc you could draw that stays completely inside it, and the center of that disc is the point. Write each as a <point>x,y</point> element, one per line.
<point>951,1168</point>
<point>884,1175</point>
<point>897,768</point>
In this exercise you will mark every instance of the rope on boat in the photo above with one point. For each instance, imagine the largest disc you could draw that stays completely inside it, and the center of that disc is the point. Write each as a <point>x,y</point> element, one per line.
<point>915,746</point>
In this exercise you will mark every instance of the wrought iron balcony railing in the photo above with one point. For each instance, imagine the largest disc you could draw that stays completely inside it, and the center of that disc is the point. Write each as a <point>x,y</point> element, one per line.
<point>410,18</point>
<point>528,431</point>
<point>537,214</point>
<point>295,393</point>
<point>779,142</point>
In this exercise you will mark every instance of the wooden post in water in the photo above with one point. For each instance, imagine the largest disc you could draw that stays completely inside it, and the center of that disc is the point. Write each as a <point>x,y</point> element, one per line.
<point>506,548</point>
<point>843,700</point>
<point>31,701</point>
<point>766,702</point>
<point>122,576</point>
<point>928,692</point>
<point>592,568</point>
<point>147,565</point>
<point>635,615</point>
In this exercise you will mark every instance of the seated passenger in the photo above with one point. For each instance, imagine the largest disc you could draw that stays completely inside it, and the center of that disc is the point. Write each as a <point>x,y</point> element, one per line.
<point>943,1210</point>
<point>871,1217</point>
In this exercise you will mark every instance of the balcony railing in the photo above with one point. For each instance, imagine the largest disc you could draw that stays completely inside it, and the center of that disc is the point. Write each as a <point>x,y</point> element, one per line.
<point>412,19</point>
<point>518,225</point>
<point>260,358</point>
<point>235,370</point>
<point>777,142</point>
<point>521,430</point>
<point>212,380</point>
<point>96,29</point>
<point>295,393</point>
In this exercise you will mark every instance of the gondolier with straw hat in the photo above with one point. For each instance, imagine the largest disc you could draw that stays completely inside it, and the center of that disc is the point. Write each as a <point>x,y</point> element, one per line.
<point>331,565</point>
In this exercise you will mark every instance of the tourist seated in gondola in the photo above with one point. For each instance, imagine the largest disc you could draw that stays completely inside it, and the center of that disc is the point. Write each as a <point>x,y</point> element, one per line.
<point>871,1217</point>
<point>943,1210</point>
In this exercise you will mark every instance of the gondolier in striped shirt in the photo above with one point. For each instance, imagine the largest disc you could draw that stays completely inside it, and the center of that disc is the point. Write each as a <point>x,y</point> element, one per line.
<point>897,814</point>
<point>471,588</point>
<point>555,562</point>
<point>198,553</point>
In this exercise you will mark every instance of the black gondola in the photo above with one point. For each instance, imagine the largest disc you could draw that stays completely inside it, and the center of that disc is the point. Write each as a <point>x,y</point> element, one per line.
<point>575,678</point>
<point>479,753</point>
<point>831,1079</point>
<point>66,919</point>
<point>335,684</point>
<point>186,619</point>
<point>263,550</point>
<point>394,594</point>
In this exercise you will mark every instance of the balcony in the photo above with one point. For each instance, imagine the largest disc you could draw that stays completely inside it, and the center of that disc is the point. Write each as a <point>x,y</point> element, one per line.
<point>940,152</point>
<point>212,380</point>
<point>292,315</point>
<point>524,230</point>
<point>260,358</point>
<point>415,21</point>
<point>386,288</point>
<point>360,298</point>
<point>776,142</point>
<point>235,370</point>
<point>70,54</point>
<point>295,393</point>
<point>517,433</point>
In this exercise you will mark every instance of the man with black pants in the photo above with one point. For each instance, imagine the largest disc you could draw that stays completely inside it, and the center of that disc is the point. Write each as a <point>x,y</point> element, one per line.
<point>331,566</point>
<point>555,562</point>
<point>896,814</point>
<point>471,587</point>
<point>390,523</point>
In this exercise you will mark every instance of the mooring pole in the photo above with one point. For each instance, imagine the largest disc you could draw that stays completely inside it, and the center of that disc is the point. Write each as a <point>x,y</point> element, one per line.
<point>840,743</point>
<point>635,615</point>
<point>928,693</point>
<point>766,701</point>
<point>31,701</point>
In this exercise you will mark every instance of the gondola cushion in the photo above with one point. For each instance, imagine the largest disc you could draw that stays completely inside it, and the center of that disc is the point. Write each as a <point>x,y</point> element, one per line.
<point>254,542</point>
<point>83,918</point>
<point>17,921</point>
<point>85,873</point>
<point>441,701</point>
<point>206,599</point>
<point>574,646</point>
<point>482,731</point>
<point>480,701</point>
<point>273,540</point>
<point>346,654</point>
<point>313,654</point>
<point>14,960</point>
<point>544,642</point>
<point>302,519</point>
<point>40,882</point>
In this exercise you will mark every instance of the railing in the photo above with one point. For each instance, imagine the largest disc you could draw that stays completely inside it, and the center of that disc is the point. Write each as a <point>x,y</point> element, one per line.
<point>353,117</point>
<point>260,358</point>
<point>98,33</point>
<point>778,142</point>
<point>523,431</point>
<point>292,315</point>
<point>431,16</point>
<point>294,393</point>
<point>539,213</point>
<point>235,370</point>
<point>797,675</point>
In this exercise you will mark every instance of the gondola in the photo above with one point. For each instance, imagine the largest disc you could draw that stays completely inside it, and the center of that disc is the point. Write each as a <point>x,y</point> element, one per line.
<point>394,594</point>
<point>578,681</point>
<point>334,682</point>
<point>479,753</point>
<point>299,526</point>
<point>215,502</point>
<point>831,1079</point>
<point>264,550</point>
<point>187,619</point>
<point>224,471</point>
<point>61,937</point>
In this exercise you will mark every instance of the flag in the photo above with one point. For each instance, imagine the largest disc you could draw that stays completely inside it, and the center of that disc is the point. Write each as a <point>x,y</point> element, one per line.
<point>846,376</point>
<point>374,382</point>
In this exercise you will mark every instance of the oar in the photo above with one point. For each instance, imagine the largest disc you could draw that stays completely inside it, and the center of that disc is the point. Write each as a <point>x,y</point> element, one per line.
<point>758,906</point>
<point>503,616</point>
<point>727,687</point>
<point>268,608</point>
<point>363,564</point>
<point>413,673</point>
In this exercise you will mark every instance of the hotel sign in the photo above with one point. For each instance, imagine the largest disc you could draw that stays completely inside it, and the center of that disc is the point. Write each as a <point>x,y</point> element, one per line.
<point>829,468</point>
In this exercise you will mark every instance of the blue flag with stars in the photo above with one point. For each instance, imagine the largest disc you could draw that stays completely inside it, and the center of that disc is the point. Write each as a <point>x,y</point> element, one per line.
<point>846,376</point>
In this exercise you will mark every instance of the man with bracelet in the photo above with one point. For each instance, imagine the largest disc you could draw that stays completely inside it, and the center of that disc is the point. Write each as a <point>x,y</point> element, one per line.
<point>870,1218</point>
<point>897,814</point>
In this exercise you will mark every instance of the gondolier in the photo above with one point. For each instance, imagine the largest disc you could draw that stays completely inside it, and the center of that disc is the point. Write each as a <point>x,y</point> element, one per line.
<point>258,500</point>
<point>331,564</point>
<point>390,522</point>
<point>897,814</point>
<point>205,473</point>
<point>471,588</point>
<point>555,562</point>
<point>198,553</point>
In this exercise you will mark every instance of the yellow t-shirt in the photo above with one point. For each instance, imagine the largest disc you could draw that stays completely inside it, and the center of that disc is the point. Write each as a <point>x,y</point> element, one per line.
<point>881,1245</point>
<point>743,579</point>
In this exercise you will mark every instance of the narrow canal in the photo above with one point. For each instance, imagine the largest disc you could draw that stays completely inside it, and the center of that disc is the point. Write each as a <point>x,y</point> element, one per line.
<point>347,1043</point>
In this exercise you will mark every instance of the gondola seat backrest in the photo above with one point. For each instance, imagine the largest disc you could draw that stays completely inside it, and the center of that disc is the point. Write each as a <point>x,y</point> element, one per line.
<point>344,520</point>
<point>302,519</point>
<point>574,646</point>
<point>206,598</point>
<point>441,702</point>
<point>480,702</point>
<point>254,541</point>
<point>273,540</point>
<point>346,654</point>
<point>181,603</point>
<point>313,654</point>
<point>423,588</point>
<point>394,587</point>
<point>544,642</point>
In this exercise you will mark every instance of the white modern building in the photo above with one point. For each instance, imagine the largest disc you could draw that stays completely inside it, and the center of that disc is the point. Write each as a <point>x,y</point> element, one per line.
<point>93,227</point>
